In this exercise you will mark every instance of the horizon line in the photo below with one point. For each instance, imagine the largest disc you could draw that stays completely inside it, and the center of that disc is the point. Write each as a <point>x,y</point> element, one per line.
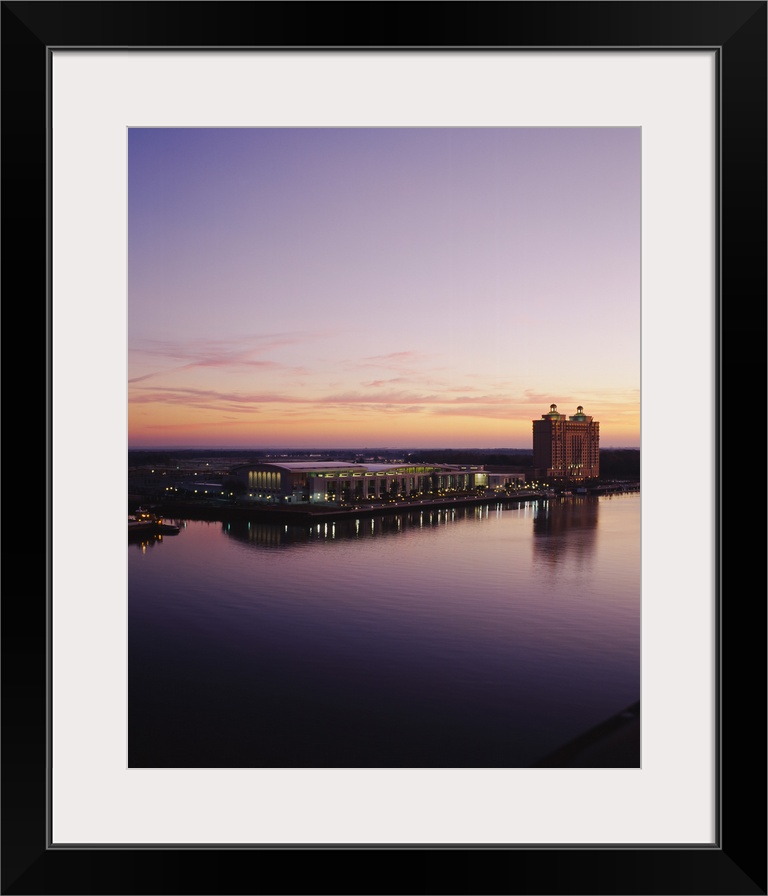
<point>353,448</point>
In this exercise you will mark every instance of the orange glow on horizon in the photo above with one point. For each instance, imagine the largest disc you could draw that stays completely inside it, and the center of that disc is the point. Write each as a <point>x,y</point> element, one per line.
<point>164,425</point>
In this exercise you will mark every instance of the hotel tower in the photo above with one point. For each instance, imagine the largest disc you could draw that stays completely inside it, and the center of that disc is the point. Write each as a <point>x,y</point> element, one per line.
<point>566,448</point>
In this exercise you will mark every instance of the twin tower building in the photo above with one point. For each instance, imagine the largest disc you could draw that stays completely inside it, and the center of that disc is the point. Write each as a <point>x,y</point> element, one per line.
<point>566,448</point>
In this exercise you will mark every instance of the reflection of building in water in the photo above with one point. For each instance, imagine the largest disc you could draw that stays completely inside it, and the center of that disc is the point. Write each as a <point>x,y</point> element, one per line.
<point>145,541</point>
<point>335,482</point>
<point>566,448</point>
<point>267,535</point>
<point>565,525</point>
<point>284,535</point>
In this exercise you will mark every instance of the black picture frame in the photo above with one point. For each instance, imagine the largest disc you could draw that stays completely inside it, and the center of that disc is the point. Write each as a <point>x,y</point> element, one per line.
<point>736,862</point>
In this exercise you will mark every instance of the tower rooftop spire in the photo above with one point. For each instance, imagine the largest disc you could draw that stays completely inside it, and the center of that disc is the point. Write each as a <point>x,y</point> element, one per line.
<point>580,416</point>
<point>553,413</point>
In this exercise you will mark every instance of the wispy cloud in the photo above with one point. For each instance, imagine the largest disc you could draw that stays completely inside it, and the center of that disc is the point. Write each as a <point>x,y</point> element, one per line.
<point>245,353</point>
<point>399,362</point>
<point>392,401</point>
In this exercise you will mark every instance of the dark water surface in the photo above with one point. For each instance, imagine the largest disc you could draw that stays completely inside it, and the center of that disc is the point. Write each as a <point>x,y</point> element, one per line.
<point>475,637</point>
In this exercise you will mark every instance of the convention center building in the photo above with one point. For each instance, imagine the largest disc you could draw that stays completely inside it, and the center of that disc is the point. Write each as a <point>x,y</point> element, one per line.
<point>337,482</point>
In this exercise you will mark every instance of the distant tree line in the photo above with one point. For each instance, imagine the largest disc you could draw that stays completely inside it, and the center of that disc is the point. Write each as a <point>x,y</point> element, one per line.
<point>619,463</point>
<point>141,458</point>
<point>520,458</point>
<point>615,463</point>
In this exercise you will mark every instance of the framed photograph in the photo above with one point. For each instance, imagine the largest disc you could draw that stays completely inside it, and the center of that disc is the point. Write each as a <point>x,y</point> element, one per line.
<point>381,291</point>
<point>125,128</point>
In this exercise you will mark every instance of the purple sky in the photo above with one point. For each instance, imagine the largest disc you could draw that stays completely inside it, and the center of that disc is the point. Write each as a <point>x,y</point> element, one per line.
<point>410,287</point>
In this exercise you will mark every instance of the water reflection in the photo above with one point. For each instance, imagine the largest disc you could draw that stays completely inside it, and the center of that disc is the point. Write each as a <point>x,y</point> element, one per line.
<point>274,535</point>
<point>565,526</point>
<point>144,540</point>
<point>424,638</point>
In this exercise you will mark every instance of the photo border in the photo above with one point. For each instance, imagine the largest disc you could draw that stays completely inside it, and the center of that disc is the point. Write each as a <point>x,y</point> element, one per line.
<point>736,31</point>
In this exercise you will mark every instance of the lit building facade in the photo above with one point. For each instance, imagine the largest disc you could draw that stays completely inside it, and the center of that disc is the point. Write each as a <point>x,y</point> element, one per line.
<point>336,482</point>
<point>566,448</point>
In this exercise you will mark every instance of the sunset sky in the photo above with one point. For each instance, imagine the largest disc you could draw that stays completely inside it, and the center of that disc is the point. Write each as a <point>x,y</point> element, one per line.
<point>393,287</point>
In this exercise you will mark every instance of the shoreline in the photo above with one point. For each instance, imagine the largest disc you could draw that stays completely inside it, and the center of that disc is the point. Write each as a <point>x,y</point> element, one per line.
<point>302,514</point>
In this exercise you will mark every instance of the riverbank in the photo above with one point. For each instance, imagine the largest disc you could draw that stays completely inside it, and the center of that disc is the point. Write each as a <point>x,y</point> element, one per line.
<point>304,513</point>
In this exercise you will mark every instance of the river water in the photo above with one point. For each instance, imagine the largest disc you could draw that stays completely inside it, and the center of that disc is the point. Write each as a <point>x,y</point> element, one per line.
<point>475,636</point>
